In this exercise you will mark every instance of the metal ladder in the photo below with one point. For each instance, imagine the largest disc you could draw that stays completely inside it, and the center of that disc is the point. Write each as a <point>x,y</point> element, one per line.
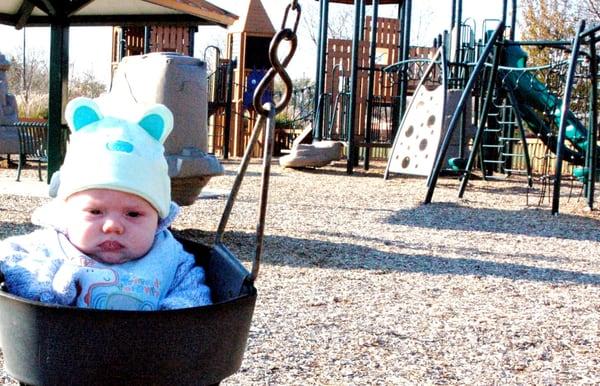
<point>499,152</point>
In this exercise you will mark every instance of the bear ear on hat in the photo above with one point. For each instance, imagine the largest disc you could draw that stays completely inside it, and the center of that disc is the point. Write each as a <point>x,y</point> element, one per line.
<point>158,122</point>
<point>81,112</point>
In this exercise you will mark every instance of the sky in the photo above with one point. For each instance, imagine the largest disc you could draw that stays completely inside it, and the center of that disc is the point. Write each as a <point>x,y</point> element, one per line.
<point>90,47</point>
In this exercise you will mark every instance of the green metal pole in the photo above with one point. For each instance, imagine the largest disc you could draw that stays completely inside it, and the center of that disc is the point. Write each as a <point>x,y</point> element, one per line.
<point>458,32</point>
<point>320,75</point>
<point>147,37</point>
<point>453,16</point>
<point>396,89</point>
<point>123,43</point>
<point>564,109</point>
<point>593,127</point>
<point>371,80</point>
<point>405,54</point>
<point>59,77</point>
<point>358,4</point>
<point>513,20</point>
<point>192,40</point>
<point>466,94</point>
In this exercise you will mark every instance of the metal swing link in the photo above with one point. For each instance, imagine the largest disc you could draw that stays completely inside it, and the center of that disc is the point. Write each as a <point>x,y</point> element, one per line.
<point>266,119</point>
<point>277,66</point>
<point>296,7</point>
<point>294,4</point>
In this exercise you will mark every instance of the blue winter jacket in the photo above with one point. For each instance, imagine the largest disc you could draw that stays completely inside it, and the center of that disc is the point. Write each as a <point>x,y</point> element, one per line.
<point>46,267</point>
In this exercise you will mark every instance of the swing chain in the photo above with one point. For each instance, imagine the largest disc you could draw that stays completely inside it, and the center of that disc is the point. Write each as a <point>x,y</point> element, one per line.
<point>296,7</point>
<point>277,66</point>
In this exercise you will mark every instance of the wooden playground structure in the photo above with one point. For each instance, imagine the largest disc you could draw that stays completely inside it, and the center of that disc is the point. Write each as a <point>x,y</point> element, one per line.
<point>376,90</point>
<point>237,69</point>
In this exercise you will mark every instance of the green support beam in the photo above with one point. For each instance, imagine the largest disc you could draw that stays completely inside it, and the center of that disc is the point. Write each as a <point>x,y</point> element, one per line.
<point>58,89</point>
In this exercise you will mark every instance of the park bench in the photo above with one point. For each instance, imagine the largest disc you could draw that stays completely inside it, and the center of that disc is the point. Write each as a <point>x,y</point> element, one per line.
<point>33,144</point>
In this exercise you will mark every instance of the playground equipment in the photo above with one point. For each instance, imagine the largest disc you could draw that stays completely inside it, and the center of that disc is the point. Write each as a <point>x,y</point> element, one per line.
<point>137,40</point>
<point>588,174</point>
<point>220,101</point>
<point>501,104</point>
<point>418,137</point>
<point>537,104</point>
<point>553,119</point>
<point>371,97</point>
<point>512,90</point>
<point>426,118</point>
<point>248,41</point>
<point>315,154</point>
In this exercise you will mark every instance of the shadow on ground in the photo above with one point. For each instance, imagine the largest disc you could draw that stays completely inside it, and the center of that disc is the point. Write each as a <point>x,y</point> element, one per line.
<point>249,173</point>
<point>8,229</point>
<point>339,169</point>
<point>529,222</point>
<point>304,253</point>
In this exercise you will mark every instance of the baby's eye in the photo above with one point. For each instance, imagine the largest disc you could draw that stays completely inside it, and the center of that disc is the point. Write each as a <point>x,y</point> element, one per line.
<point>95,212</point>
<point>134,214</point>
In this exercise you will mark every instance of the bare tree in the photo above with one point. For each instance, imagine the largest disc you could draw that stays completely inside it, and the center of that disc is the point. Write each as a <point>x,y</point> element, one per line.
<point>29,78</point>
<point>85,84</point>
<point>340,21</point>
<point>592,10</point>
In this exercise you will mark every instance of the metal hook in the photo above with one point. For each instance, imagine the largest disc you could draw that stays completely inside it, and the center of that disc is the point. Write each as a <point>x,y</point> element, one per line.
<point>277,68</point>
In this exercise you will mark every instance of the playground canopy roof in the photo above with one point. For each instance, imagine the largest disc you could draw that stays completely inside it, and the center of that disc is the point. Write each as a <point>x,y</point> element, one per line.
<point>60,14</point>
<point>20,13</point>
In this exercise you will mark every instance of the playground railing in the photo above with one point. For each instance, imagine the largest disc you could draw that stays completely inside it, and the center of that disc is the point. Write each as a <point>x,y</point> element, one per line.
<point>413,71</point>
<point>292,120</point>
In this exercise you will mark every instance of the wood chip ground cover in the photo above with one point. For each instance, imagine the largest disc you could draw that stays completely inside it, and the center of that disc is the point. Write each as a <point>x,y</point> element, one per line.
<point>360,283</point>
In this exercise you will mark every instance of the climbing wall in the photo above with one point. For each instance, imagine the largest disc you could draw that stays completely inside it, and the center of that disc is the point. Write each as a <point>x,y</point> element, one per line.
<point>418,138</point>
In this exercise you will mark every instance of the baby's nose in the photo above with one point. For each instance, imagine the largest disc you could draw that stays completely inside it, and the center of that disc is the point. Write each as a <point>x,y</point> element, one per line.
<point>112,225</point>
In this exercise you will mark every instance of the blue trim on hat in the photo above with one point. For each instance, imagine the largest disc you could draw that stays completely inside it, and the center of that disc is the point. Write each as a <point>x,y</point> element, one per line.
<point>121,146</point>
<point>83,116</point>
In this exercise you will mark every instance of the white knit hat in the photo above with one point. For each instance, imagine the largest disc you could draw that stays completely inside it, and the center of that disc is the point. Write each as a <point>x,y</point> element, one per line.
<point>115,153</point>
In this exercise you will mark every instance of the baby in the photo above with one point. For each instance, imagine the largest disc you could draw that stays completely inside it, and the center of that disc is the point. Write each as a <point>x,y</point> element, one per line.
<point>104,242</point>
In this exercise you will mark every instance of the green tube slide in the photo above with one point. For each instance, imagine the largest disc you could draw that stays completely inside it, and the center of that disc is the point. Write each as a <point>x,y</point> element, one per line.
<point>541,109</point>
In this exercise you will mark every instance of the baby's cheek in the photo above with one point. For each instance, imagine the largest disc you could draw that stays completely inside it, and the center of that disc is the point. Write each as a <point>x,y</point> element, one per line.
<point>78,236</point>
<point>145,245</point>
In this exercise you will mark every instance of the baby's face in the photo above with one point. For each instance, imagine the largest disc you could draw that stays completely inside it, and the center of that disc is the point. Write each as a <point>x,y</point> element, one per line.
<point>111,226</point>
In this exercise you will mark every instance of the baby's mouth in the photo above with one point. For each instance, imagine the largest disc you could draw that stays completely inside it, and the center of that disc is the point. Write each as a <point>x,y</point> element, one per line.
<point>110,246</point>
